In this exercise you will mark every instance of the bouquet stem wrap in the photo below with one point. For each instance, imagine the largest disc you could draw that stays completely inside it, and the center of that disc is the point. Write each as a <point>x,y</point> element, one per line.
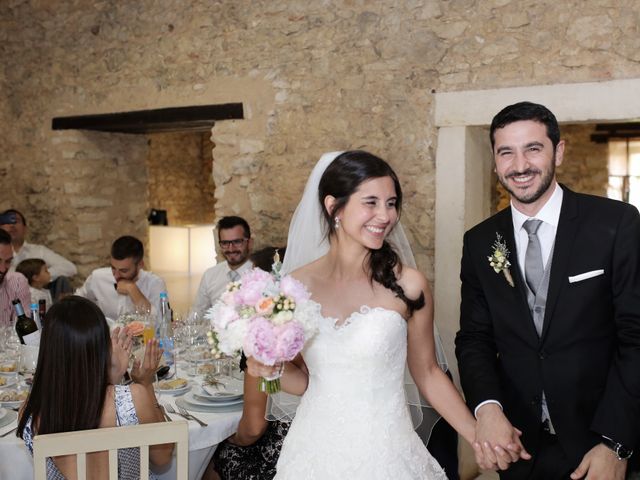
<point>271,384</point>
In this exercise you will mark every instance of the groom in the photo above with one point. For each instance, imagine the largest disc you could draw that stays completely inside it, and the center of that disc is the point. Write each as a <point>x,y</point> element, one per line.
<point>549,339</point>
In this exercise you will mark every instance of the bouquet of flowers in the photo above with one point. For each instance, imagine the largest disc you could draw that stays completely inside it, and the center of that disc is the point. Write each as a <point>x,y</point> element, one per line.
<point>266,315</point>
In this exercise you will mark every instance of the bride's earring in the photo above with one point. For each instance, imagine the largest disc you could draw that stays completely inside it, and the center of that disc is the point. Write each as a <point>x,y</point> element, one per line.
<point>336,223</point>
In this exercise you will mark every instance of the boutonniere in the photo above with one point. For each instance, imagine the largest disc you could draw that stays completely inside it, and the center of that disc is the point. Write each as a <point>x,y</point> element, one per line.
<point>499,261</point>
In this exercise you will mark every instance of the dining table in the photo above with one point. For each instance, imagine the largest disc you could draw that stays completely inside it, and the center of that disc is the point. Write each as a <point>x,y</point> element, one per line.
<point>16,463</point>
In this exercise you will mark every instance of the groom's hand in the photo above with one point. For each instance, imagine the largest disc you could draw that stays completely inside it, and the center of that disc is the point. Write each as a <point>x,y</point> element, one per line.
<point>600,463</point>
<point>497,441</point>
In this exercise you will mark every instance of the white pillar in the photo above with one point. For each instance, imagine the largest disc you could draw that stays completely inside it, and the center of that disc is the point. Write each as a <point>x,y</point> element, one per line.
<point>463,196</point>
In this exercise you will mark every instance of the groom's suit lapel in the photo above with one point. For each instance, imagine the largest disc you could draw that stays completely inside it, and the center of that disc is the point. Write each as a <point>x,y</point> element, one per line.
<point>562,251</point>
<point>505,228</point>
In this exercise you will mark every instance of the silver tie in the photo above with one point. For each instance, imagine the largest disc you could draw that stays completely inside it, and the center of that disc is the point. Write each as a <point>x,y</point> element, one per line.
<point>533,266</point>
<point>234,276</point>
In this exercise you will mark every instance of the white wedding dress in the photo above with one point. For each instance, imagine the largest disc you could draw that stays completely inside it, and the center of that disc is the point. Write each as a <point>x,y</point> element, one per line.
<point>353,421</point>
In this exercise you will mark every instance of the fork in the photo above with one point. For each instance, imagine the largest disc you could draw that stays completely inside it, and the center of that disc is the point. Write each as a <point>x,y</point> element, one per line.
<point>186,414</point>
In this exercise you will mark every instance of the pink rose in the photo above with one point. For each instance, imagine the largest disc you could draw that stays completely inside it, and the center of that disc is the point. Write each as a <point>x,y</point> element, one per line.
<point>264,306</point>
<point>261,341</point>
<point>290,341</point>
<point>228,298</point>
<point>294,289</point>
<point>254,283</point>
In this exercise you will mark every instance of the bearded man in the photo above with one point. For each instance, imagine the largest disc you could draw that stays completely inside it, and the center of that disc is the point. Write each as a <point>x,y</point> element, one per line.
<point>125,286</point>
<point>234,239</point>
<point>549,340</point>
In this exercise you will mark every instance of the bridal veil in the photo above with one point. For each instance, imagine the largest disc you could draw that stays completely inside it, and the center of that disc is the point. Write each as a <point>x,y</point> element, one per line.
<point>307,242</point>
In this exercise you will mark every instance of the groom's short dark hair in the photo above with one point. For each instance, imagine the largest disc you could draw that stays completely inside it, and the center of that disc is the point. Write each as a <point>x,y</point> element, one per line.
<point>526,111</point>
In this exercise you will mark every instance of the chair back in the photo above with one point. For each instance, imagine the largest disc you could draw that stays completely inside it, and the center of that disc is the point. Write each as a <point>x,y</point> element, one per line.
<point>111,439</point>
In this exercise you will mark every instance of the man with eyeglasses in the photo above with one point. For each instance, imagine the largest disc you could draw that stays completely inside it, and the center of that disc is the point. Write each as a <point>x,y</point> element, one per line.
<point>234,238</point>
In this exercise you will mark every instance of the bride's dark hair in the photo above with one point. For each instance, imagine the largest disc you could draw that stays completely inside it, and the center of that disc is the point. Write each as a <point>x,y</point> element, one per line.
<point>341,179</point>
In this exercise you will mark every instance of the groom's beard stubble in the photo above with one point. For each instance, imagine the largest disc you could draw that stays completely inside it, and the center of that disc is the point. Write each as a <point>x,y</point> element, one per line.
<point>545,182</point>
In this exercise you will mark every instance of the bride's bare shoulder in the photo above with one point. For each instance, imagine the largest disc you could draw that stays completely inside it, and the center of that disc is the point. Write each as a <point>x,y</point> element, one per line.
<point>413,282</point>
<point>309,272</point>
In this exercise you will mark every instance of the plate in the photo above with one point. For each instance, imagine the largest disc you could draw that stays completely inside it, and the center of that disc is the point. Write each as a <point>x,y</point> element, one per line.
<point>11,373</point>
<point>236,407</point>
<point>222,398</point>
<point>232,386</point>
<point>174,391</point>
<point>10,417</point>
<point>10,382</point>
<point>14,404</point>
<point>3,412</point>
<point>191,398</point>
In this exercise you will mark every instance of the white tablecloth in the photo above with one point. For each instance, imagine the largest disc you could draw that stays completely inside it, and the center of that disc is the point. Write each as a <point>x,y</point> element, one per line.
<point>17,464</point>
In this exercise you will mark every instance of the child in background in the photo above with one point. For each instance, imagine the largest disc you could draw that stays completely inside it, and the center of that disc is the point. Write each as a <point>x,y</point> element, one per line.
<point>38,276</point>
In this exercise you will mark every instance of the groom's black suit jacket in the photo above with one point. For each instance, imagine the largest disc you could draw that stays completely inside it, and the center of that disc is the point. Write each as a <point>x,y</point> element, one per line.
<point>587,360</point>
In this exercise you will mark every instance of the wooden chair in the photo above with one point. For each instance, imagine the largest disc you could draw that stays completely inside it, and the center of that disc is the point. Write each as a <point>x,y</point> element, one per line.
<point>112,439</point>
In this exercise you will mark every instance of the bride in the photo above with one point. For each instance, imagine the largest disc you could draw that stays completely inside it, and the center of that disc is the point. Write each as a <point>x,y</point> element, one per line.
<point>375,316</point>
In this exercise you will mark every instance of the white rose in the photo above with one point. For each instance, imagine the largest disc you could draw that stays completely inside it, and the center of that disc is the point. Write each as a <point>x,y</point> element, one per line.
<point>281,318</point>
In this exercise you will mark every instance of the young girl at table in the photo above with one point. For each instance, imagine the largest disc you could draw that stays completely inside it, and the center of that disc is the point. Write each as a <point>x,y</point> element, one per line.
<point>76,387</point>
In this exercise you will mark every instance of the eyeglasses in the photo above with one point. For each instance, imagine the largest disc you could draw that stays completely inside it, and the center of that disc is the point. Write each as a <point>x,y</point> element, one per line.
<point>236,242</point>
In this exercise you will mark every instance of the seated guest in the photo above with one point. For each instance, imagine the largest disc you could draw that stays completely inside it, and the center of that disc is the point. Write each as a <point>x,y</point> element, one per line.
<point>253,451</point>
<point>37,274</point>
<point>234,238</point>
<point>59,267</point>
<point>12,284</point>
<point>125,287</point>
<point>79,390</point>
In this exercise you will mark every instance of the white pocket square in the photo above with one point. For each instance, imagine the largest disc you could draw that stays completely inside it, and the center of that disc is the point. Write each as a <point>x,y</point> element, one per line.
<point>585,276</point>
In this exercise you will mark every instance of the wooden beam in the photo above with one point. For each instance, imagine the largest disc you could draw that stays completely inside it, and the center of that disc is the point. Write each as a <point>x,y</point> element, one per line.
<point>178,119</point>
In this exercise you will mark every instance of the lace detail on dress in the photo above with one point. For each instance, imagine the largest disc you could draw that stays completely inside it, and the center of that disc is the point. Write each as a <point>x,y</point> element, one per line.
<point>364,310</point>
<point>353,421</point>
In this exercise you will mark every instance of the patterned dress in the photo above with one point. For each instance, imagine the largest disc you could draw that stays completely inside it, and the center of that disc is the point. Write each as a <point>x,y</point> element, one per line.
<point>128,458</point>
<point>253,462</point>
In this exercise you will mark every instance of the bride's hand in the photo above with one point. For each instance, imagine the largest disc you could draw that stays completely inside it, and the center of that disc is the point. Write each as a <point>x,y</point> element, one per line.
<point>257,369</point>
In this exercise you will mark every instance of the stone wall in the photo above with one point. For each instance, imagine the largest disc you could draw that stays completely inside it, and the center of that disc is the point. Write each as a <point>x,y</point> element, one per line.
<point>585,168</point>
<point>313,77</point>
<point>180,176</point>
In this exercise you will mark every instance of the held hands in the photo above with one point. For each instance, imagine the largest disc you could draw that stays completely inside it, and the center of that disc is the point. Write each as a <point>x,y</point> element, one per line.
<point>600,463</point>
<point>497,442</point>
<point>121,345</point>
<point>144,372</point>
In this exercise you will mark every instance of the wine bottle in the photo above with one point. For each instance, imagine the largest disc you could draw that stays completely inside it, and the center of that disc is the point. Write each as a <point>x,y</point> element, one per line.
<point>42,308</point>
<point>26,328</point>
<point>35,315</point>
